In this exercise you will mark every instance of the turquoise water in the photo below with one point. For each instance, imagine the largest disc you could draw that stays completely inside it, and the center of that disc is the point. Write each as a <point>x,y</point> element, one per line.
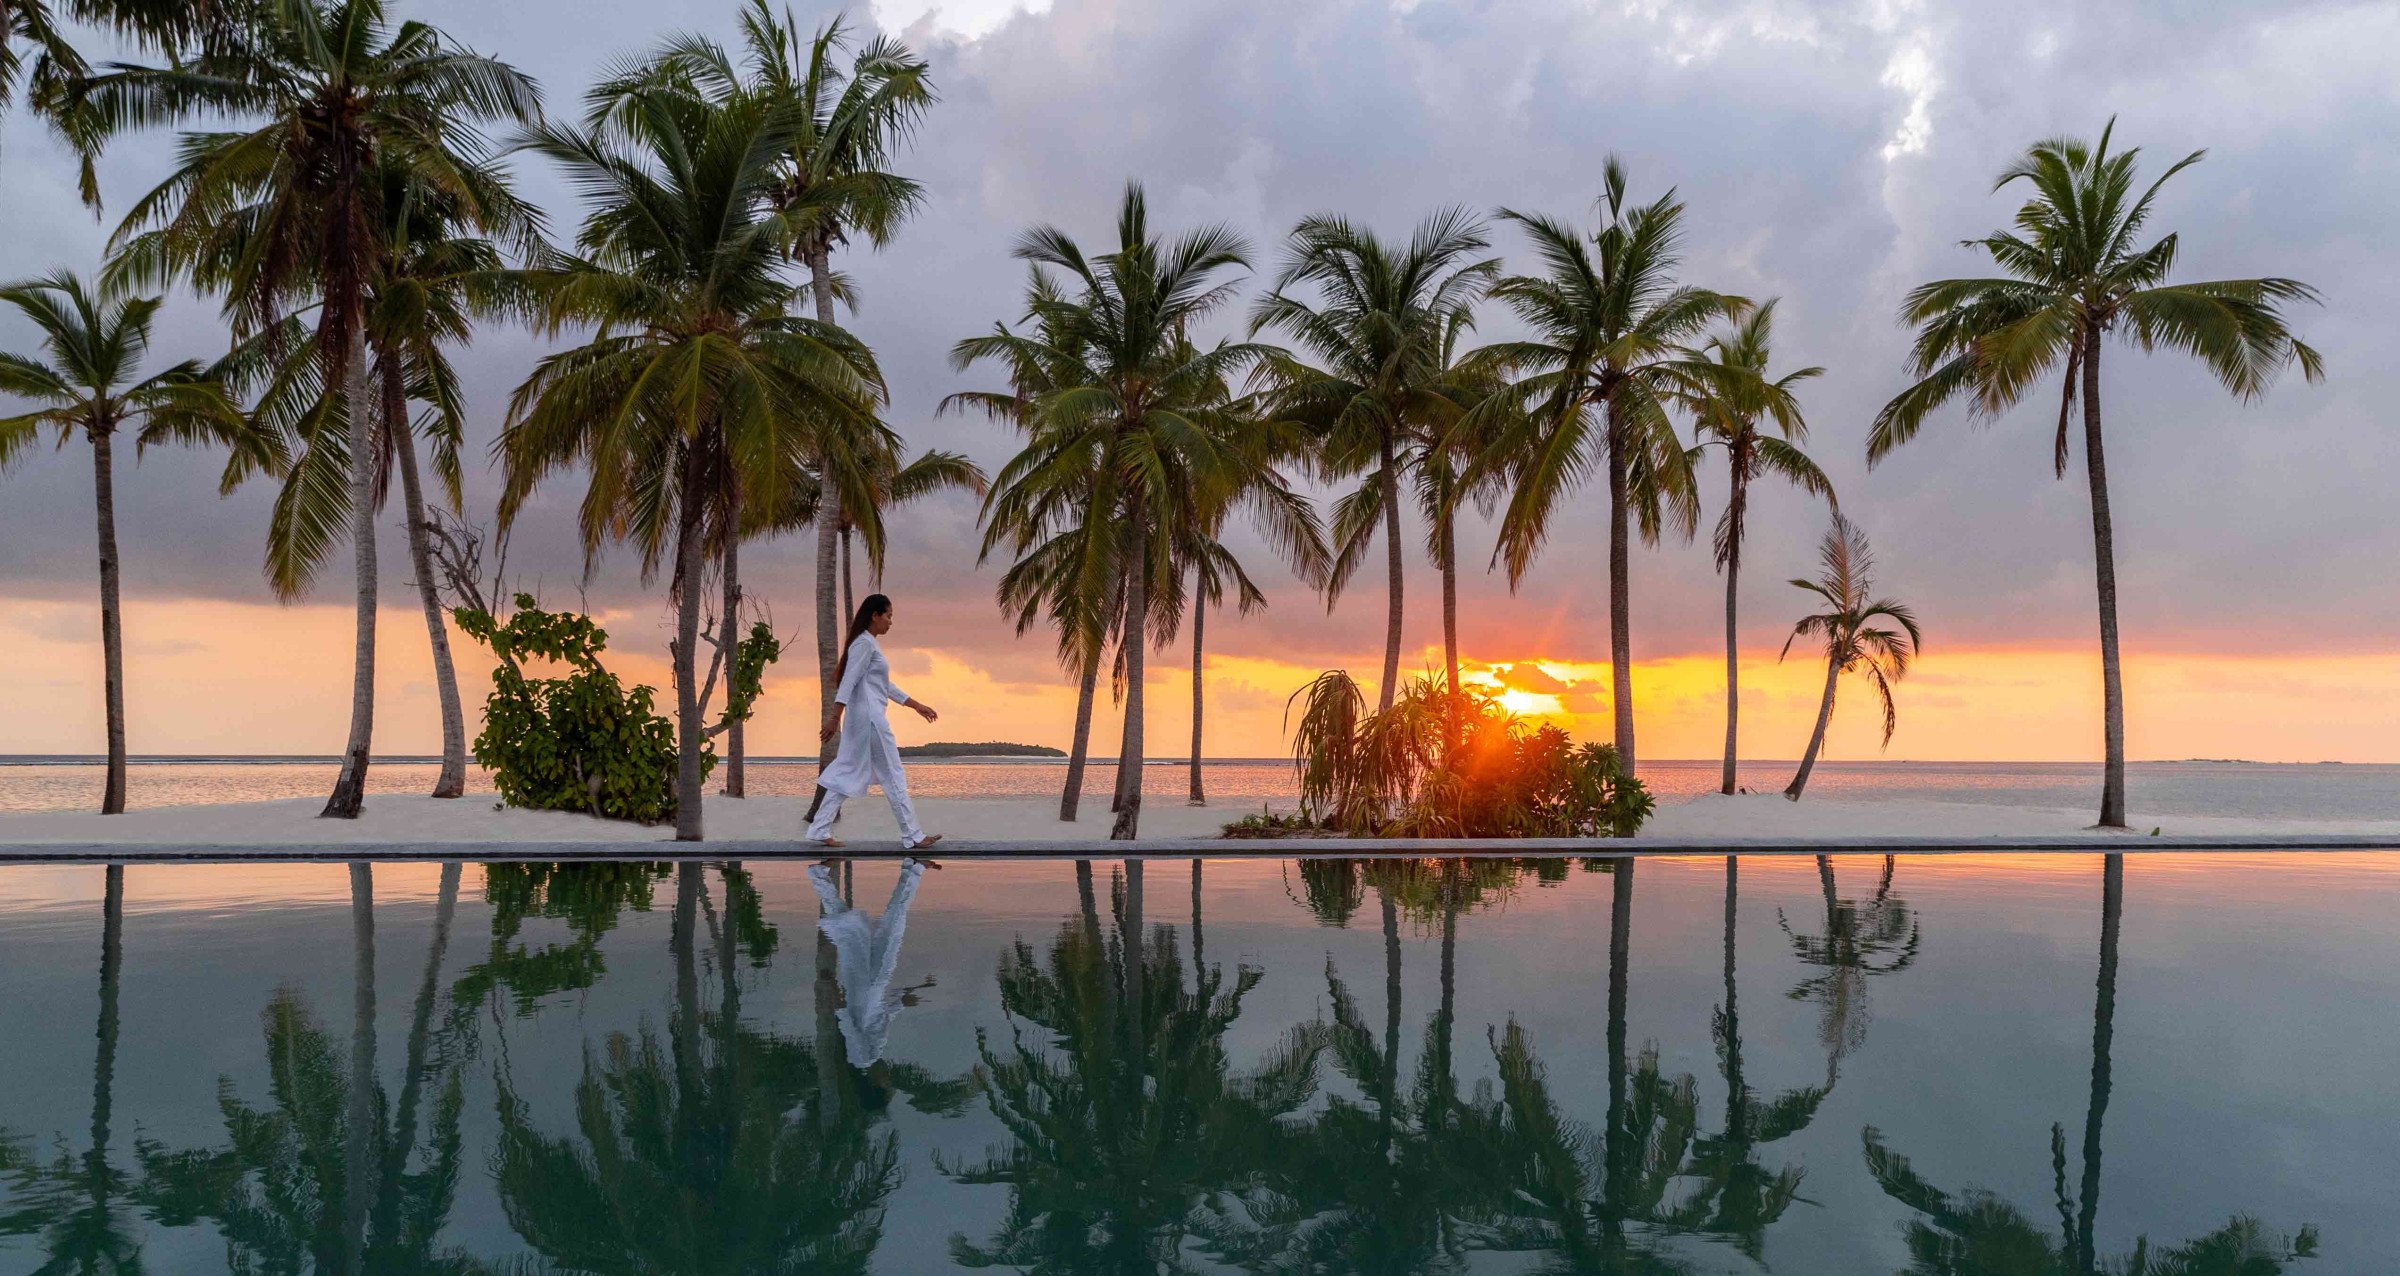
<point>2005,1065</point>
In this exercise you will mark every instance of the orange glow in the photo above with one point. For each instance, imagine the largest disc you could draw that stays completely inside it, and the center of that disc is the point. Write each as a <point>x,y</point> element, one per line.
<point>210,677</point>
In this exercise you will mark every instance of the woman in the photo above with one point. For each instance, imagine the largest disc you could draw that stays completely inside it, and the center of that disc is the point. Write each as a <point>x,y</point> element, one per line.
<point>868,753</point>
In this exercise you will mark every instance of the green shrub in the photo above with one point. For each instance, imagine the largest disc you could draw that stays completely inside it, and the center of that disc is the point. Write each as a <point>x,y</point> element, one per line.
<point>1438,764</point>
<point>577,743</point>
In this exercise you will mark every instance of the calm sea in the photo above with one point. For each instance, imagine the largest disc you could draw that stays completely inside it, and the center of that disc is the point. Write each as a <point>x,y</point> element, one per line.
<point>2322,791</point>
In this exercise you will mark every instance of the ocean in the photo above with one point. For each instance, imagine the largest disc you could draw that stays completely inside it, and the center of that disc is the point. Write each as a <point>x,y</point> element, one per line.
<point>2318,791</point>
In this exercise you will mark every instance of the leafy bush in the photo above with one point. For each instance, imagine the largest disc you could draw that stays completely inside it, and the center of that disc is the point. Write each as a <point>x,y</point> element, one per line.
<point>1268,823</point>
<point>577,743</point>
<point>1438,764</point>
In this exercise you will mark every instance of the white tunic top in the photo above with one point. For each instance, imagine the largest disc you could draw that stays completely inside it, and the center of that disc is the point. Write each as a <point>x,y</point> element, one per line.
<point>868,752</point>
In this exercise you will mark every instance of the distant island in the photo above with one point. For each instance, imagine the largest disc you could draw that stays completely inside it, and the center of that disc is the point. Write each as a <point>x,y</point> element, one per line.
<point>987,749</point>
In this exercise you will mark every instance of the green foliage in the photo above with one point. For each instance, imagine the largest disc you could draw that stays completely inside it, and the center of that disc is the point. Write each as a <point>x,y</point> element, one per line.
<point>1439,764</point>
<point>582,742</point>
<point>746,680</point>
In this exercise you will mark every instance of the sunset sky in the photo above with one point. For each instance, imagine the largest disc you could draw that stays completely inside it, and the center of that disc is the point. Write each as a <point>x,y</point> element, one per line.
<point>1830,154</point>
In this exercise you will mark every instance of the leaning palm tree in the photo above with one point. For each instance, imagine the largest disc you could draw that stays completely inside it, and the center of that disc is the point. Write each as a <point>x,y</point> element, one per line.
<point>1382,391</point>
<point>833,180</point>
<point>1730,397</point>
<point>1854,642</point>
<point>1609,322</point>
<point>697,389</point>
<point>91,383</point>
<point>341,99</point>
<point>2074,276</point>
<point>1131,427</point>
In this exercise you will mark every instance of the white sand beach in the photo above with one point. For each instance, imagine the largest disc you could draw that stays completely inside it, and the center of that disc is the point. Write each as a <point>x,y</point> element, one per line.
<point>401,820</point>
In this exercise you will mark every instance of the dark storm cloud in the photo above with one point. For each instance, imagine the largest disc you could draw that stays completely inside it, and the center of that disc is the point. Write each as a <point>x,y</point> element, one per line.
<point>1830,155</point>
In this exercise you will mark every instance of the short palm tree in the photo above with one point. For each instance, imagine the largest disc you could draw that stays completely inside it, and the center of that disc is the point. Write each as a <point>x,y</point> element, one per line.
<point>697,389</point>
<point>91,383</point>
<point>2075,274</point>
<point>1733,405</point>
<point>1131,428</point>
<point>1609,322</point>
<point>1382,390</point>
<point>343,100</point>
<point>1854,642</point>
<point>894,484</point>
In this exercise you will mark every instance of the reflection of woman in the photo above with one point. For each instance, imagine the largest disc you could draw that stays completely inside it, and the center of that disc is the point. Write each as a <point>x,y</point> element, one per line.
<point>865,956</point>
<point>868,754</point>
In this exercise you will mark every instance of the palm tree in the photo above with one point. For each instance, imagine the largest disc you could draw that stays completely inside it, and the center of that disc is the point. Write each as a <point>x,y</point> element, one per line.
<point>1214,570</point>
<point>1730,397</point>
<point>894,484</point>
<point>1854,643</point>
<point>832,182</point>
<point>2075,275</point>
<point>1134,420</point>
<point>344,100</point>
<point>1385,392</point>
<point>697,393</point>
<point>1863,940</point>
<point>95,342</point>
<point>1609,323</point>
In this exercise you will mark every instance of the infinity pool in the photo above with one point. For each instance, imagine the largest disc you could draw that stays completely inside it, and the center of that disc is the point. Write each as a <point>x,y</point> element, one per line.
<point>2039,1064</point>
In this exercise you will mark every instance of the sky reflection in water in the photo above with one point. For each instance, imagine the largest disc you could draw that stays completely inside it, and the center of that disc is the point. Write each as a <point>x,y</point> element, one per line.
<point>2009,1065</point>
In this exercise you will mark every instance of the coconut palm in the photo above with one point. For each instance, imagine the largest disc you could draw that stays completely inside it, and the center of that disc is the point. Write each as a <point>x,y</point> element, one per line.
<point>1730,396</point>
<point>1863,940</point>
<point>342,100</point>
<point>1131,429</point>
<point>832,184</point>
<point>1382,390</point>
<point>1609,323</point>
<point>893,485</point>
<point>697,392</point>
<point>89,381</point>
<point>1854,642</point>
<point>1215,571</point>
<point>2075,275</point>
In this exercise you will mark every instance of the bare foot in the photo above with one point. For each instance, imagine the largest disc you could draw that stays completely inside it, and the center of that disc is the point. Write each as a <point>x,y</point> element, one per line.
<point>832,843</point>
<point>924,842</point>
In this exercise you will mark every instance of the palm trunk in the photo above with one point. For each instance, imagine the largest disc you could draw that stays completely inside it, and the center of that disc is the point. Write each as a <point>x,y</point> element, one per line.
<point>412,1076</point>
<point>1816,741</point>
<point>1390,478</point>
<point>849,594</point>
<point>1733,660</point>
<point>1076,757</point>
<point>1389,1100</point>
<point>2104,562</point>
<point>1737,1094</point>
<point>452,782</point>
<point>350,791</point>
<point>689,563</point>
<point>2104,1020</point>
<point>1199,620</point>
<point>1616,1172</point>
<point>1136,640</point>
<point>1450,602</point>
<point>829,502</point>
<point>728,638</point>
<point>683,1024</point>
<point>1089,900</point>
<point>1199,950</point>
<point>112,631</point>
<point>358,1143</point>
<point>1620,591</point>
<point>104,1058</point>
<point>1136,973</point>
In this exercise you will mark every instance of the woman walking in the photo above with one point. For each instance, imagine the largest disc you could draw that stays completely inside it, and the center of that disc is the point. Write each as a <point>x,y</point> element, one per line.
<point>868,754</point>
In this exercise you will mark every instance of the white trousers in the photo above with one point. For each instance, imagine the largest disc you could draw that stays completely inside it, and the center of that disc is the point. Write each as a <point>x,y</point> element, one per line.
<point>894,782</point>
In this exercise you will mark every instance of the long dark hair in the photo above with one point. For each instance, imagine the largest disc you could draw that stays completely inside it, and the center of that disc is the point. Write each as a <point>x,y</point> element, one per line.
<point>872,606</point>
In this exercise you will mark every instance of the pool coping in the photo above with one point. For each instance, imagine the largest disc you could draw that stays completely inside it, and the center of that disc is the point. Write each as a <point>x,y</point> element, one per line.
<point>1173,848</point>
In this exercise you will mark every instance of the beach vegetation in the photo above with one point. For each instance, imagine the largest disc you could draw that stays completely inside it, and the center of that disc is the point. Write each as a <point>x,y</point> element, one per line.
<point>1439,764</point>
<point>2075,273</point>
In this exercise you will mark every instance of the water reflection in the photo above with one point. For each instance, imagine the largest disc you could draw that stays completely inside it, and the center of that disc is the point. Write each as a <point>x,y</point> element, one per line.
<point>1129,1104</point>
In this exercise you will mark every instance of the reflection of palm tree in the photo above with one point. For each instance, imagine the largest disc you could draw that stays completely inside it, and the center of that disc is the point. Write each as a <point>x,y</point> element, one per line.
<point>1878,937</point>
<point>1737,1198</point>
<point>1131,1114</point>
<point>320,1181</point>
<point>589,897</point>
<point>74,1203</point>
<point>718,1150</point>
<point>1977,1232</point>
<point>1544,1191</point>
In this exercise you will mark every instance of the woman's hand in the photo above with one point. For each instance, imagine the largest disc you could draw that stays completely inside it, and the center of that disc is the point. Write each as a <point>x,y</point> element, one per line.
<point>924,710</point>
<point>833,723</point>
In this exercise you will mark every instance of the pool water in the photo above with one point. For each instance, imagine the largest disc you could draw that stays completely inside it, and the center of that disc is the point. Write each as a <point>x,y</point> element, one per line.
<point>2035,1064</point>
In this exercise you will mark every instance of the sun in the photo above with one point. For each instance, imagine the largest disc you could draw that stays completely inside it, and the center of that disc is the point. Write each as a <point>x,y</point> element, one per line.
<point>1531,704</point>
